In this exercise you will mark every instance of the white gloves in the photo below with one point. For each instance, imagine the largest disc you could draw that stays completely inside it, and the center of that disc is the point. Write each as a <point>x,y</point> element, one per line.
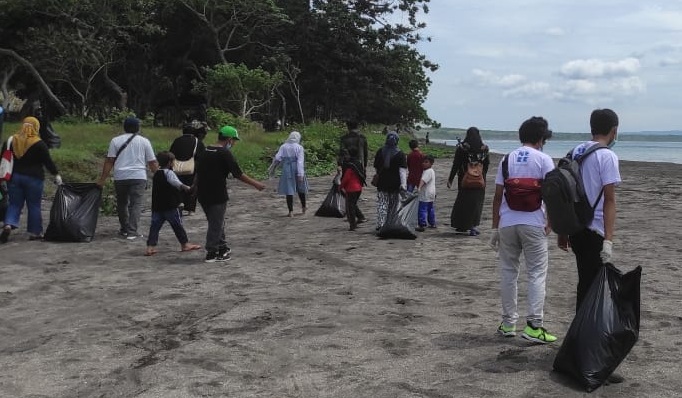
<point>494,239</point>
<point>58,180</point>
<point>606,251</point>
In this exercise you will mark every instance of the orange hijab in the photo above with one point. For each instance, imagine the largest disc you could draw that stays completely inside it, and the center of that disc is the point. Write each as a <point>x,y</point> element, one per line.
<point>26,137</point>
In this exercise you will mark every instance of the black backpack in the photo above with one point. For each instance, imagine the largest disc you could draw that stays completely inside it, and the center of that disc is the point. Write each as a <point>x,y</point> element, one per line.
<point>568,209</point>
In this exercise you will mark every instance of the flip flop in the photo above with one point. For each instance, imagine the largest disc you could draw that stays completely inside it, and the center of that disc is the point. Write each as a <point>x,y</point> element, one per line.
<point>150,252</point>
<point>191,248</point>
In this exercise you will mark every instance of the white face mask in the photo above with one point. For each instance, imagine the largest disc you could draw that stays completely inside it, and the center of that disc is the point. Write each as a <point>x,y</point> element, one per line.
<point>613,143</point>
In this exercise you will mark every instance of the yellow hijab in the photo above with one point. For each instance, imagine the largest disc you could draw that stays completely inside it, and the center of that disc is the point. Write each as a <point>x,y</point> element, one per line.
<point>26,137</point>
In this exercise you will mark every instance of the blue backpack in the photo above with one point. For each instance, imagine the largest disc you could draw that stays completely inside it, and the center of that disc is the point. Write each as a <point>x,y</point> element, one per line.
<point>568,209</point>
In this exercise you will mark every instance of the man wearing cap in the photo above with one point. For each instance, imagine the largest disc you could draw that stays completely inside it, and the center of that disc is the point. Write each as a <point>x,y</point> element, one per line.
<point>129,156</point>
<point>215,164</point>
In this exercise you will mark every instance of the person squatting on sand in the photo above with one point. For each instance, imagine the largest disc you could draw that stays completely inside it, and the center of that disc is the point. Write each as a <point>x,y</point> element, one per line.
<point>31,157</point>
<point>291,157</point>
<point>215,165</point>
<point>593,246</point>
<point>519,229</point>
<point>390,164</point>
<point>466,212</point>
<point>166,187</point>
<point>129,156</point>
<point>352,180</point>
<point>190,145</point>
<point>427,195</point>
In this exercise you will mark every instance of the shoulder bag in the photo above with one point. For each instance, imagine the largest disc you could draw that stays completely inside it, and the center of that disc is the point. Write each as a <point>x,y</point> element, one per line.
<point>186,167</point>
<point>7,162</point>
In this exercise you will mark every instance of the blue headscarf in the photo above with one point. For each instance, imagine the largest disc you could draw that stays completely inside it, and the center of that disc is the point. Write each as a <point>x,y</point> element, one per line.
<point>390,148</point>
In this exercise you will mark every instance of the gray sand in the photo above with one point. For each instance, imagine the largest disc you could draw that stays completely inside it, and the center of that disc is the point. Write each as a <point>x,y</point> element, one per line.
<point>308,309</point>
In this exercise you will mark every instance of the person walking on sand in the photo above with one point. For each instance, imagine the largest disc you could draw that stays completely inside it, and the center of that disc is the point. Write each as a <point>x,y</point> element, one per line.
<point>129,156</point>
<point>517,229</point>
<point>593,246</point>
<point>213,168</point>
<point>291,157</point>
<point>352,180</point>
<point>390,164</point>
<point>415,168</point>
<point>166,187</point>
<point>186,148</point>
<point>355,143</point>
<point>466,212</point>
<point>427,195</point>
<point>31,158</point>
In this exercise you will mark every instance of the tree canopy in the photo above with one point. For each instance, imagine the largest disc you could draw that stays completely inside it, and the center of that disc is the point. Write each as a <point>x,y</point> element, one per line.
<point>288,60</point>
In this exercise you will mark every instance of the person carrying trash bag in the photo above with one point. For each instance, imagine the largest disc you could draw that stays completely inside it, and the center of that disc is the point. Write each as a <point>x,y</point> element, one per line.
<point>604,329</point>
<point>390,164</point>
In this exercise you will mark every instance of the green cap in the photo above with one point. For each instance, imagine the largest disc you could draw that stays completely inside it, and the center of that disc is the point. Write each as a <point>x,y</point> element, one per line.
<point>228,132</point>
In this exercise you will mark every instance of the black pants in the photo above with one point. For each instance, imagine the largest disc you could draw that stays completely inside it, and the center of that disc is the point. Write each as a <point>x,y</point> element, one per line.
<point>290,201</point>
<point>353,213</point>
<point>586,246</point>
<point>189,200</point>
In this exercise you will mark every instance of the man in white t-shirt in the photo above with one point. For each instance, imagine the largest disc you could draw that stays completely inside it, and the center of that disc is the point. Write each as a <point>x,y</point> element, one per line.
<point>593,246</point>
<point>129,156</point>
<point>520,226</point>
<point>427,195</point>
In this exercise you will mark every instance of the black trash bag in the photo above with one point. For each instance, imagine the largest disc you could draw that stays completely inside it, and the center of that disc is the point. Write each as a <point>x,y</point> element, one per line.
<point>334,205</point>
<point>400,221</point>
<point>73,216</point>
<point>604,330</point>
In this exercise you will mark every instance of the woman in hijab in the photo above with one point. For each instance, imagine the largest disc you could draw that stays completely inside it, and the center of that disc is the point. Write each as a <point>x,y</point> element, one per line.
<point>466,213</point>
<point>391,167</point>
<point>190,145</point>
<point>31,156</point>
<point>291,158</point>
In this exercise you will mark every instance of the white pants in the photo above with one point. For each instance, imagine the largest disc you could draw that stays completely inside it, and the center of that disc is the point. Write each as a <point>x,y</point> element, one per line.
<point>532,242</point>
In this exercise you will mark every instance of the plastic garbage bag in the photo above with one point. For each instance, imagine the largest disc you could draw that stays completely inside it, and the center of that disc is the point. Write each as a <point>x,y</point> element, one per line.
<point>334,205</point>
<point>400,221</point>
<point>73,216</point>
<point>604,330</point>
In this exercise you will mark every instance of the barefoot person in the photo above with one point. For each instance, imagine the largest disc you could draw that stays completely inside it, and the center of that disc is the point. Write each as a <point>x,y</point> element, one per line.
<point>216,163</point>
<point>165,205</point>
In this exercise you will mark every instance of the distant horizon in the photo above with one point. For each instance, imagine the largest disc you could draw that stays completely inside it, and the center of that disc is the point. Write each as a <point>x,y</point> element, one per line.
<point>652,132</point>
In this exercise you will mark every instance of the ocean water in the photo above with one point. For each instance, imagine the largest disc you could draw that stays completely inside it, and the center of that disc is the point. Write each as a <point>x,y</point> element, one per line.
<point>639,147</point>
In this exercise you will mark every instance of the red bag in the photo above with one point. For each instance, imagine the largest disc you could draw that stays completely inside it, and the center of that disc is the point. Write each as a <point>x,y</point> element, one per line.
<point>7,162</point>
<point>521,194</point>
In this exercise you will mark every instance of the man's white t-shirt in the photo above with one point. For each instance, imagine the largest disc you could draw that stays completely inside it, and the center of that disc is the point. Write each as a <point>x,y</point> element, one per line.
<point>597,170</point>
<point>131,164</point>
<point>523,162</point>
<point>428,191</point>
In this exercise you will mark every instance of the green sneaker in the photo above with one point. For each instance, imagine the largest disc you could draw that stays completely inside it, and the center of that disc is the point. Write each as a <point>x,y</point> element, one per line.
<point>538,335</point>
<point>506,331</point>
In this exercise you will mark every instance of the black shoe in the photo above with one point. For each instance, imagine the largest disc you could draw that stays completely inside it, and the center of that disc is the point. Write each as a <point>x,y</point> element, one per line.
<point>217,258</point>
<point>224,251</point>
<point>420,229</point>
<point>614,378</point>
<point>4,236</point>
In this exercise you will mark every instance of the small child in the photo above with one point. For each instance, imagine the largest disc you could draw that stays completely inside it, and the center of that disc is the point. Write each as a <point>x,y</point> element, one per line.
<point>165,204</point>
<point>414,166</point>
<point>427,195</point>
<point>352,180</point>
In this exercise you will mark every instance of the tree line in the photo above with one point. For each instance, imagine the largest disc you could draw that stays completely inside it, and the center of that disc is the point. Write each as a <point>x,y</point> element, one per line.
<point>263,60</point>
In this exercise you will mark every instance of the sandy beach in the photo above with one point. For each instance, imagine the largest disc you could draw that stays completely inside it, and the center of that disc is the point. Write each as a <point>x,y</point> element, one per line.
<point>307,308</point>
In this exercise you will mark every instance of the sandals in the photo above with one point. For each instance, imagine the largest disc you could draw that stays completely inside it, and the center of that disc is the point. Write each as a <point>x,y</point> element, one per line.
<point>150,252</point>
<point>190,247</point>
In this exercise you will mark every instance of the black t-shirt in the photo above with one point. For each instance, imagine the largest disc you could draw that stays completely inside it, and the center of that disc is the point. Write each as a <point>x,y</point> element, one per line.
<point>35,159</point>
<point>183,147</point>
<point>213,167</point>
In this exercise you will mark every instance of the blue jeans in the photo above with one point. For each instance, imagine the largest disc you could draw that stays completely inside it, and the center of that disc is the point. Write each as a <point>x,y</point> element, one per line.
<point>23,188</point>
<point>129,196</point>
<point>175,221</point>
<point>427,213</point>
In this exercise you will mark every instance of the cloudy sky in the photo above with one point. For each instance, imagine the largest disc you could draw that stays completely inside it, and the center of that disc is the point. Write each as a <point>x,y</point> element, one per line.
<point>504,61</point>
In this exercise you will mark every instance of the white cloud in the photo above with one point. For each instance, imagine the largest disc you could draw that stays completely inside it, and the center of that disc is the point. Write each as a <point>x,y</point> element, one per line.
<point>529,90</point>
<point>489,78</point>
<point>595,68</point>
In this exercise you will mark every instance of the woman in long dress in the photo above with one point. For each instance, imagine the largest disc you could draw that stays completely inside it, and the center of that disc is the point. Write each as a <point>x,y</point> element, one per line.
<point>190,145</point>
<point>391,167</point>
<point>293,181</point>
<point>466,212</point>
